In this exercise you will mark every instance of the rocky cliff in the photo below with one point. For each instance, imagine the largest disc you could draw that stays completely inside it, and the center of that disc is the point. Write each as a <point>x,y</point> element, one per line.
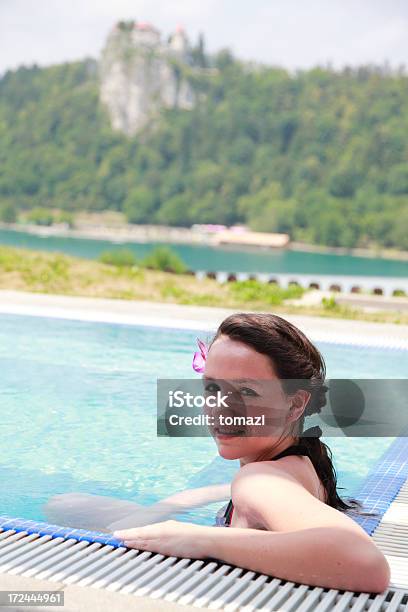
<point>140,74</point>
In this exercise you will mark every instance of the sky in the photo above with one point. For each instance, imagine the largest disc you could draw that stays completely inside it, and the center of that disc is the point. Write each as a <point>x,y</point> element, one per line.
<point>290,33</point>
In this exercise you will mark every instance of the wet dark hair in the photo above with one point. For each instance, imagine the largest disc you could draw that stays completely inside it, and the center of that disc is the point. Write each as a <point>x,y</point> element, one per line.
<point>295,358</point>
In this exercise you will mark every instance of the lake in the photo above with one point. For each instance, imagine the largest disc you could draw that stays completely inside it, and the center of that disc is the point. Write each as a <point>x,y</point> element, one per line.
<point>199,257</point>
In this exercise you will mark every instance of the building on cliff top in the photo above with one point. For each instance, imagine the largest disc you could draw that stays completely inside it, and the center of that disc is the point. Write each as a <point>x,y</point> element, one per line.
<point>141,74</point>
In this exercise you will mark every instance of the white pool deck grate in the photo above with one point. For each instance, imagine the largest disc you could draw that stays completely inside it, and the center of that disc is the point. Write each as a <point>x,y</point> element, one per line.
<point>43,554</point>
<point>197,583</point>
<point>200,584</point>
<point>391,536</point>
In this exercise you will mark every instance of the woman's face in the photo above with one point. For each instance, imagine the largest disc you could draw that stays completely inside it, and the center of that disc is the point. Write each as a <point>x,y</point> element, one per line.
<point>255,389</point>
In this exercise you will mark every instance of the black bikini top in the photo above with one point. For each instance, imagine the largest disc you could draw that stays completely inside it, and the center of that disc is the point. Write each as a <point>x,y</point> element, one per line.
<point>295,449</point>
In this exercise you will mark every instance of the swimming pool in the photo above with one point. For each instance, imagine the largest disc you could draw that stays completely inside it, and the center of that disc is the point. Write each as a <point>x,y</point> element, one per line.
<point>77,403</point>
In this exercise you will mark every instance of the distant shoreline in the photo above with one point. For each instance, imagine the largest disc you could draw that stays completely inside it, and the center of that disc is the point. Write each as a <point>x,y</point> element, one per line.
<point>180,235</point>
<point>355,252</point>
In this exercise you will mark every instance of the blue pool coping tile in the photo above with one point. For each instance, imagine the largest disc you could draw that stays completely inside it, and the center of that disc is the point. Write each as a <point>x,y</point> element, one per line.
<point>376,494</point>
<point>56,531</point>
<point>383,483</point>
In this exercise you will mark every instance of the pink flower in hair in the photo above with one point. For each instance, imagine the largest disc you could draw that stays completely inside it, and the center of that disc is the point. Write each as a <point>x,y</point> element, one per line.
<point>200,356</point>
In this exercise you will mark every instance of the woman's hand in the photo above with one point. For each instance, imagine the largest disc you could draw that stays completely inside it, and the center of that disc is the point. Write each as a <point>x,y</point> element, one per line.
<point>171,538</point>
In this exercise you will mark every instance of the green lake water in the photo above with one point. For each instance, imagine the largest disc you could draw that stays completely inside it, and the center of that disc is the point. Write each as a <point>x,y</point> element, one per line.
<point>220,259</point>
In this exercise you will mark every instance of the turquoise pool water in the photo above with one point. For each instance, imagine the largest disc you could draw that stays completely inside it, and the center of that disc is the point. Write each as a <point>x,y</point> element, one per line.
<point>78,413</point>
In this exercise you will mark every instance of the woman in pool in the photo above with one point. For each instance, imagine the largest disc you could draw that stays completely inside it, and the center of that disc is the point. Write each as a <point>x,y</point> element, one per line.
<point>285,517</point>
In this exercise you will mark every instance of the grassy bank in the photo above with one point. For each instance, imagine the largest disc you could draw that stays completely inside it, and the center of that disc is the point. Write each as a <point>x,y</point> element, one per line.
<point>52,273</point>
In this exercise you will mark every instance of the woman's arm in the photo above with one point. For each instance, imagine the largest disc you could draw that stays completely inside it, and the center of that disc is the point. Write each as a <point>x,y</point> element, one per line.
<point>104,513</point>
<point>310,543</point>
<point>179,502</point>
<point>314,542</point>
<point>328,557</point>
<point>192,498</point>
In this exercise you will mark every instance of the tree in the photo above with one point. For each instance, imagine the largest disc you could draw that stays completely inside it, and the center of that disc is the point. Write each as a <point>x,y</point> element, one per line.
<point>198,52</point>
<point>175,211</point>
<point>398,179</point>
<point>7,212</point>
<point>139,205</point>
<point>343,183</point>
<point>317,153</point>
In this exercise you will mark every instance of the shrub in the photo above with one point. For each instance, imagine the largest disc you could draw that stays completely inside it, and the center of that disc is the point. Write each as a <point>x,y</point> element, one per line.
<point>329,303</point>
<point>164,259</point>
<point>120,258</point>
<point>65,217</point>
<point>256,291</point>
<point>40,216</point>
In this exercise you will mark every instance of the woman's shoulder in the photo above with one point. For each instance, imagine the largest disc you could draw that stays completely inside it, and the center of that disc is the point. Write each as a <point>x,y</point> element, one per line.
<point>294,468</point>
<point>266,494</point>
<point>254,469</point>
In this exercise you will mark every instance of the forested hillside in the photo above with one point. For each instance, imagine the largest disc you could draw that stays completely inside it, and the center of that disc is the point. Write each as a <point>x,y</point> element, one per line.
<point>320,155</point>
